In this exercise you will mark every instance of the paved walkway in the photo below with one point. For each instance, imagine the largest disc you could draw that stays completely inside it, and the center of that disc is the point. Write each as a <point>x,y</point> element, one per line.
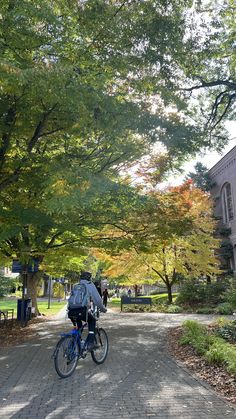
<point>138,380</point>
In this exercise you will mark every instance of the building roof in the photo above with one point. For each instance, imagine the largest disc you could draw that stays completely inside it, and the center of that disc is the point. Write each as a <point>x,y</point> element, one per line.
<point>224,162</point>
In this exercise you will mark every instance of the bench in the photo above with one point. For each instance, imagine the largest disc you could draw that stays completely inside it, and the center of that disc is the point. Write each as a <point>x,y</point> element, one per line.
<point>6,314</point>
<point>135,300</point>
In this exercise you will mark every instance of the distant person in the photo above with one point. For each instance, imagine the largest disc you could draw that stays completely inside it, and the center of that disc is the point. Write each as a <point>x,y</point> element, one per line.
<point>105,297</point>
<point>129,292</point>
<point>117,293</point>
<point>97,285</point>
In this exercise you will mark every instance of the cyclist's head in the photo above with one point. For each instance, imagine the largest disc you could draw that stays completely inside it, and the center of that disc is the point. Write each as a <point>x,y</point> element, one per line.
<point>86,275</point>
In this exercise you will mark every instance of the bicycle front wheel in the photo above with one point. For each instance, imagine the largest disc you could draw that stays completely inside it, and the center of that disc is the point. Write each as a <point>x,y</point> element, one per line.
<point>66,356</point>
<point>100,352</point>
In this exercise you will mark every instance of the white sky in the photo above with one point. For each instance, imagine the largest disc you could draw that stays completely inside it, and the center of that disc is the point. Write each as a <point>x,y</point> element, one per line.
<point>209,159</point>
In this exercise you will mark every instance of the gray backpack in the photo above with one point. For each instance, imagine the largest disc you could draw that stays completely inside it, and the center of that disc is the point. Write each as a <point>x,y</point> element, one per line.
<point>79,297</point>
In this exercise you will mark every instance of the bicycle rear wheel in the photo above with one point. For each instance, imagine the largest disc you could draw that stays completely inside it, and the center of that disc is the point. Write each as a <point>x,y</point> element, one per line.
<point>100,352</point>
<point>66,356</point>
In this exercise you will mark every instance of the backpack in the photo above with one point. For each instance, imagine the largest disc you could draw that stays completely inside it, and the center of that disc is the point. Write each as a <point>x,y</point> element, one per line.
<point>79,297</point>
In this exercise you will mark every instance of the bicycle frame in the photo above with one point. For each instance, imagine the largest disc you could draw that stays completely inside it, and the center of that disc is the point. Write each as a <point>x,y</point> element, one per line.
<point>78,334</point>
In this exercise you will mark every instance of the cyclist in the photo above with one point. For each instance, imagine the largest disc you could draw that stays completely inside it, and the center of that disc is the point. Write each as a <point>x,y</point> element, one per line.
<point>76,315</point>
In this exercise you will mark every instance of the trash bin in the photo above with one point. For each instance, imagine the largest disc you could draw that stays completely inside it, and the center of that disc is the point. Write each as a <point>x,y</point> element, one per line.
<point>26,309</point>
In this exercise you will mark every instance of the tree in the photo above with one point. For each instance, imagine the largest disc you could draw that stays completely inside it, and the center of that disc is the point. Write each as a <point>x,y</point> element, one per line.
<point>66,77</point>
<point>210,63</point>
<point>200,177</point>
<point>76,108</point>
<point>56,225</point>
<point>183,244</point>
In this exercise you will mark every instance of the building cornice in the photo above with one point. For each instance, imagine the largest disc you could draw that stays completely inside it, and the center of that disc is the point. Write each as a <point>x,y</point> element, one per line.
<point>228,160</point>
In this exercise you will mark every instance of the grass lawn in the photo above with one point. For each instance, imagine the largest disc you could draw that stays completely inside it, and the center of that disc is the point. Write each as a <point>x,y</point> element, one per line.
<point>55,306</point>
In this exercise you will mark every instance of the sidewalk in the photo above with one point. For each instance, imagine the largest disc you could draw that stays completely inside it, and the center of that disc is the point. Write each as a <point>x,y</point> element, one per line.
<point>138,380</point>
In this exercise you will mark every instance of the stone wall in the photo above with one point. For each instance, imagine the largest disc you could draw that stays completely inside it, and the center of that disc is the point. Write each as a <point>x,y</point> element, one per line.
<point>223,176</point>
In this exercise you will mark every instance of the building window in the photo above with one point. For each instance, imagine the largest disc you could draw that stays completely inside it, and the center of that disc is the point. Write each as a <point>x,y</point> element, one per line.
<point>227,202</point>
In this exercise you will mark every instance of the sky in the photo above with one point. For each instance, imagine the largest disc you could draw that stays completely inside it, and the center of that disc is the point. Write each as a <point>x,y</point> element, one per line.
<point>209,159</point>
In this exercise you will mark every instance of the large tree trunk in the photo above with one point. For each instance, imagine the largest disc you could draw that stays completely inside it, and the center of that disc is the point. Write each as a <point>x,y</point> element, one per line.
<point>32,283</point>
<point>169,291</point>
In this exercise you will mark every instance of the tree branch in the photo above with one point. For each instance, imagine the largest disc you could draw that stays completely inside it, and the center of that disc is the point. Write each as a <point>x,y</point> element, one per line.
<point>38,131</point>
<point>229,84</point>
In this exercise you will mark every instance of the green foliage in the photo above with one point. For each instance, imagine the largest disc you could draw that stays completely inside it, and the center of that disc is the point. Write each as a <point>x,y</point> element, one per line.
<point>6,285</point>
<point>216,352</point>
<point>221,322</point>
<point>224,308</point>
<point>230,297</point>
<point>226,249</point>
<point>196,335</point>
<point>227,331</point>
<point>212,347</point>
<point>174,309</point>
<point>58,290</point>
<point>200,177</point>
<point>222,353</point>
<point>76,107</point>
<point>192,293</point>
<point>205,310</point>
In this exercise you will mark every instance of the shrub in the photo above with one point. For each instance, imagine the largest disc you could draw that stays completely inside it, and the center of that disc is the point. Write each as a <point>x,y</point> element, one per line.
<point>230,297</point>
<point>187,294</point>
<point>205,310</point>
<point>7,285</point>
<point>174,309</point>
<point>221,322</point>
<point>213,348</point>
<point>221,352</point>
<point>224,308</point>
<point>216,352</point>
<point>193,293</point>
<point>196,335</point>
<point>58,290</point>
<point>227,331</point>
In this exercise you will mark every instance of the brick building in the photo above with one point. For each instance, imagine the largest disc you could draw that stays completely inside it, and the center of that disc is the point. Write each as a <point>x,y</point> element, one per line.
<point>223,176</point>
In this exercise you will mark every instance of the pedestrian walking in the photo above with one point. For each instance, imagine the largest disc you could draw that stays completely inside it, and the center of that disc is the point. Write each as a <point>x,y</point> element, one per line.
<point>105,297</point>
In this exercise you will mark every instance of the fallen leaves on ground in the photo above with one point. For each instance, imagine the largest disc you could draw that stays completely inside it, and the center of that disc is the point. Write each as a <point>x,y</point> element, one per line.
<point>12,333</point>
<point>215,375</point>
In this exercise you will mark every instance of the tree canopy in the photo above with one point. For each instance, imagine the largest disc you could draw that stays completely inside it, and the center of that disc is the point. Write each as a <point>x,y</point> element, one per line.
<point>88,88</point>
<point>177,240</point>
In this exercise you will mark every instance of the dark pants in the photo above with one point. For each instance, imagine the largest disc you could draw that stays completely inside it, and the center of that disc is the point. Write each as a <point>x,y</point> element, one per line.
<point>77,315</point>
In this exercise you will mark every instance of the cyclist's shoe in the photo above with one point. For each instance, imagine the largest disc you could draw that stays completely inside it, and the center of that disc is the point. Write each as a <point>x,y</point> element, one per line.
<point>90,343</point>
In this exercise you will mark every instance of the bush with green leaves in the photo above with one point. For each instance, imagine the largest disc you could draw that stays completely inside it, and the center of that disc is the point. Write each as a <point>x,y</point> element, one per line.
<point>174,309</point>
<point>213,348</point>
<point>224,308</point>
<point>193,293</point>
<point>58,290</point>
<point>7,285</point>
<point>221,352</point>
<point>205,310</point>
<point>196,335</point>
<point>227,331</point>
<point>230,297</point>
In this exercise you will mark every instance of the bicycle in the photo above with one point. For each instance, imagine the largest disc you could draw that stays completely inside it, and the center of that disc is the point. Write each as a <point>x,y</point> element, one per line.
<point>71,347</point>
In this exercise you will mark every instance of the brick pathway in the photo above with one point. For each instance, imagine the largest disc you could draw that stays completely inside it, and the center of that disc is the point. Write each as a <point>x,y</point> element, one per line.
<point>138,379</point>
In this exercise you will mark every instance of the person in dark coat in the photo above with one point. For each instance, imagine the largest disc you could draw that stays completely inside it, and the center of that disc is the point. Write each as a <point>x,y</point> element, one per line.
<point>105,297</point>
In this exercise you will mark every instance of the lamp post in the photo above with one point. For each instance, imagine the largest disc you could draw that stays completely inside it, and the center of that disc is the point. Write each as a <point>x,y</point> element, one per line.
<point>49,290</point>
<point>24,292</point>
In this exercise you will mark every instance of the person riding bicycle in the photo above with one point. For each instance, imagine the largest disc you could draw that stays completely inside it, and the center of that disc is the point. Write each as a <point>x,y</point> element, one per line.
<point>76,315</point>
